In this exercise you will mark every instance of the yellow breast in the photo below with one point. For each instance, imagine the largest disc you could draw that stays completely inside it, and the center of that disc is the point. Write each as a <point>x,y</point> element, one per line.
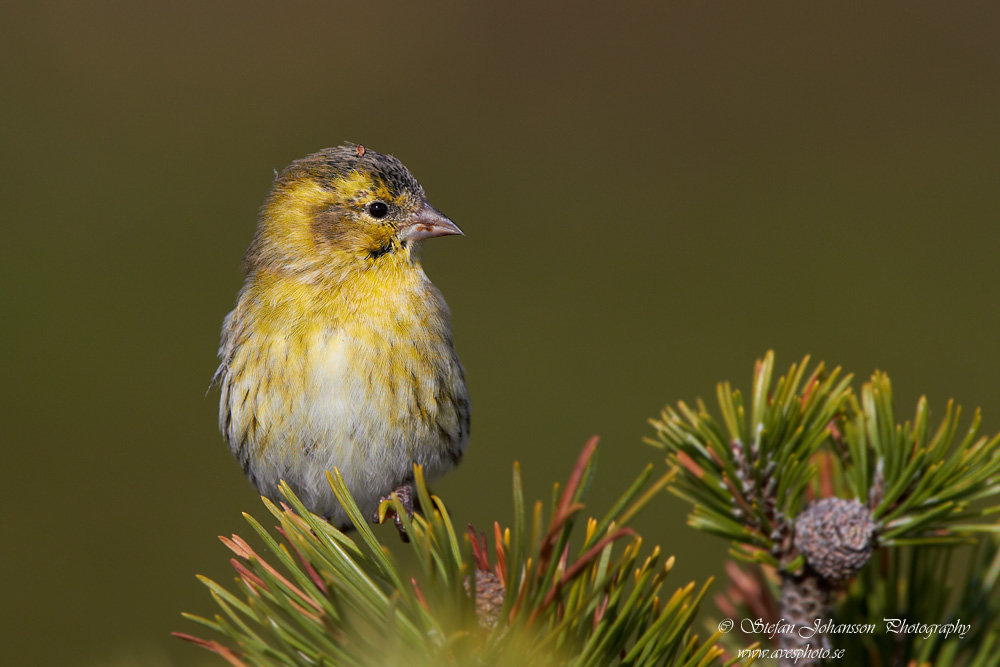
<point>358,374</point>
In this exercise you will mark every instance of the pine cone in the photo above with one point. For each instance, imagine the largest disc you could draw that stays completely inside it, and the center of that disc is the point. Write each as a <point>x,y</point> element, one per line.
<point>836,536</point>
<point>804,600</point>
<point>489,597</point>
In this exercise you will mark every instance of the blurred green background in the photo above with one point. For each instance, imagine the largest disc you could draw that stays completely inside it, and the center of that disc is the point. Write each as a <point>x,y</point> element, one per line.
<point>652,198</point>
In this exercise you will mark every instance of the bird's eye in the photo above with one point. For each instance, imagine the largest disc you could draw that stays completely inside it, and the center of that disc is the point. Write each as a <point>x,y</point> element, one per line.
<point>378,210</point>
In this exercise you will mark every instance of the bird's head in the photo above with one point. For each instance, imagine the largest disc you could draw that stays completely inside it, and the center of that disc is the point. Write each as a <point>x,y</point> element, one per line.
<point>344,208</point>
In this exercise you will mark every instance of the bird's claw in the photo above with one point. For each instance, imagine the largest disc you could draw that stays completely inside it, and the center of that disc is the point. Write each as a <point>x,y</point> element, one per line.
<point>385,506</point>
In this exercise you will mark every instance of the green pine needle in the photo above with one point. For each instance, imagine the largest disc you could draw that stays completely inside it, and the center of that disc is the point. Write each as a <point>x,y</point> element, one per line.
<point>322,597</point>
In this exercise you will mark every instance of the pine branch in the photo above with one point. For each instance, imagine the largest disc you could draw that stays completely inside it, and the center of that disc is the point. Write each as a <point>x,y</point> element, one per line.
<point>322,597</point>
<point>813,480</point>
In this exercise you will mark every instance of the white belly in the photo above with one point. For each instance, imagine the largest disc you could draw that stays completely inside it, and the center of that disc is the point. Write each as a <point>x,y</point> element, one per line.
<point>366,406</point>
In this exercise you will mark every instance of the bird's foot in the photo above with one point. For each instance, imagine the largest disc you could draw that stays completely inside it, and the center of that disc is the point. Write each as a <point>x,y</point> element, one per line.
<point>405,494</point>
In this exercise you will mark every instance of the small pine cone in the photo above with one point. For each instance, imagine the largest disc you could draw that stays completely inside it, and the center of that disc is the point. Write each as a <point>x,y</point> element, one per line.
<point>836,536</point>
<point>489,597</point>
<point>804,600</point>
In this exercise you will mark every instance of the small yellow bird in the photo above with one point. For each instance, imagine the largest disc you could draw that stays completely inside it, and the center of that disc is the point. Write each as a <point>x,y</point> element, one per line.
<point>339,352</point>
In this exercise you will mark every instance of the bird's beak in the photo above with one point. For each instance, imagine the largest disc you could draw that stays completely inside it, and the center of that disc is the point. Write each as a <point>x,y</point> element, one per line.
<point>427,223</point>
